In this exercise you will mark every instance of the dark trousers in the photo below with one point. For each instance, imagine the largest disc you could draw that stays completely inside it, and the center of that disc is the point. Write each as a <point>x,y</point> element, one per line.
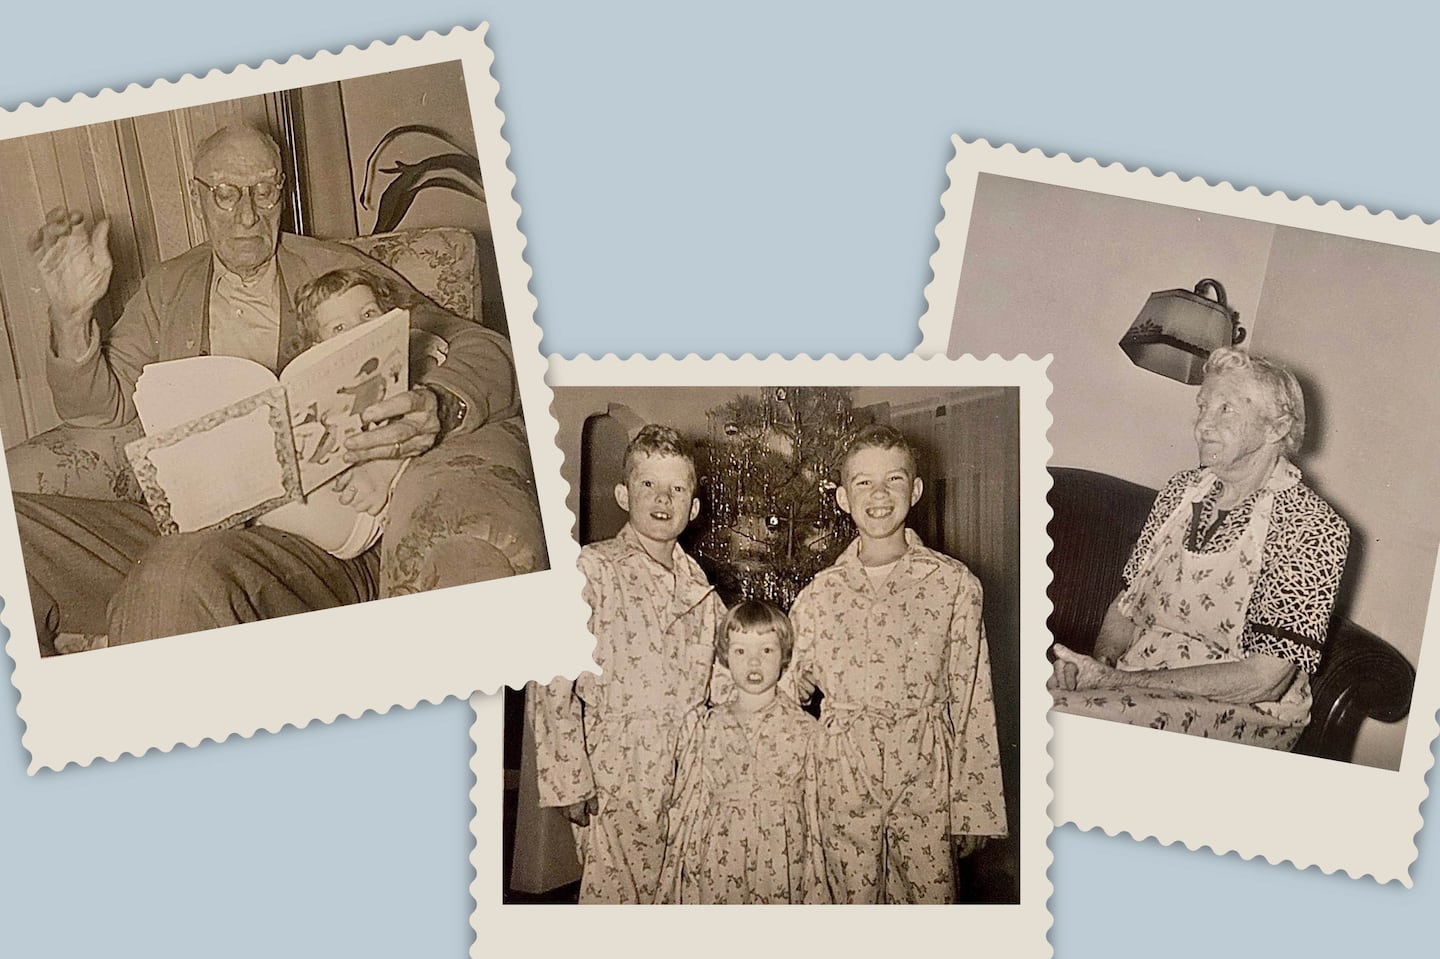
<point>98,567</point>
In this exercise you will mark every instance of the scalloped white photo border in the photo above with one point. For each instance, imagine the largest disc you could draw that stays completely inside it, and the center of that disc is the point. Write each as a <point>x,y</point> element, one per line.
<point>315,666</point>
<point>1312,812</point>
<point>1009,930</point>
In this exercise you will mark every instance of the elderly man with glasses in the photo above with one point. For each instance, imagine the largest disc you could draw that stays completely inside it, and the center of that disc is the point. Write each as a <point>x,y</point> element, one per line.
<point>98,566</point>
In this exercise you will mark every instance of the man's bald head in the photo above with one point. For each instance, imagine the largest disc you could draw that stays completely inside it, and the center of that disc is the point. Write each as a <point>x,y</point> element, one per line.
<point>237,142</point>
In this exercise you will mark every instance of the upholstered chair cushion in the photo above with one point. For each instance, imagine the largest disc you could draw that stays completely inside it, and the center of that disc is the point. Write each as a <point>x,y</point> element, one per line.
<point>439,261</point>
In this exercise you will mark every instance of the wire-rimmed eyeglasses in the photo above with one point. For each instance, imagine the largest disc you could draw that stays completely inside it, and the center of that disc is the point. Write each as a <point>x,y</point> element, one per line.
<point>265,194</point>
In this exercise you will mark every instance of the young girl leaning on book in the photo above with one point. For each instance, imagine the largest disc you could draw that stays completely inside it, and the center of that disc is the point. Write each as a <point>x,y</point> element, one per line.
<point>347,516</point>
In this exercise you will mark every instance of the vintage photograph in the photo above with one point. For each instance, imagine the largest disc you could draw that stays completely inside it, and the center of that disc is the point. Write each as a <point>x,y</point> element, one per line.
<point>1241,455</point>
<point>808,608</point>
<point>263,361</point>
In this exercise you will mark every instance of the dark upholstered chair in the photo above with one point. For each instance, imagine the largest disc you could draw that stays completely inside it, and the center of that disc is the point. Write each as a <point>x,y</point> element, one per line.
<point>1097,520</point>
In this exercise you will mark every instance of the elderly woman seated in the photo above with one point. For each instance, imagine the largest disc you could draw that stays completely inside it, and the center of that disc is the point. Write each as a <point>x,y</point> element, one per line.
<point>1230,587</point>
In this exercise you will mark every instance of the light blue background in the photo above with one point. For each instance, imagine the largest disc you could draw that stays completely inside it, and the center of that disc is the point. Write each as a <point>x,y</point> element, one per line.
<point>736,177</point>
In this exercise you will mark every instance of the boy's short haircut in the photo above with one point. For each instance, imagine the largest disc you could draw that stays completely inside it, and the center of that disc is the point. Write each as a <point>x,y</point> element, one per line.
<point>878,436</point>
<point>308,298</point>
<point>656,440</point>
<point>758,616</point>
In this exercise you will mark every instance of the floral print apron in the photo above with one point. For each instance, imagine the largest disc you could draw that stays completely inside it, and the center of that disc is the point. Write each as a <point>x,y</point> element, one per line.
<point>1191,609</point>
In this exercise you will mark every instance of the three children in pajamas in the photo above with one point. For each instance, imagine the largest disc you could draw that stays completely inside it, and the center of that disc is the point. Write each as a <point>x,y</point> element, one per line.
<point>769,806</point>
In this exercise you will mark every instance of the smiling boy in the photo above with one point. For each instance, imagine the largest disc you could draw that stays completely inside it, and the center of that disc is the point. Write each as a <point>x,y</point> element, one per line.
<point>892,634</point>
<point>605,745</point>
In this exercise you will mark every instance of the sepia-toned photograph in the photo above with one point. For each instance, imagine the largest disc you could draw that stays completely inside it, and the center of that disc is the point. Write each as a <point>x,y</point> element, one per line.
<point>257,230</point>
<point>260,361</point>
<point>1242,454</point>
<point>808,601</point>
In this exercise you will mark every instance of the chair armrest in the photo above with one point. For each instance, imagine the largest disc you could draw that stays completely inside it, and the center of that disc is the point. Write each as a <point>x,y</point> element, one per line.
<point>1361,677</point>
<point>464,512</point>
<point>76,461</point>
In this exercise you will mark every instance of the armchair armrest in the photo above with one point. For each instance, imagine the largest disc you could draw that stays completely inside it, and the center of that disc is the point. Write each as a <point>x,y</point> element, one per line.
<point>1361,677</point>
<point>76,461</point>
<point>464,512</point>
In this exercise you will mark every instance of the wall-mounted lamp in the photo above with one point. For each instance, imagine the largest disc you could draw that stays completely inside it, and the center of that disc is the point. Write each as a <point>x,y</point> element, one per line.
<point>1177,329</point>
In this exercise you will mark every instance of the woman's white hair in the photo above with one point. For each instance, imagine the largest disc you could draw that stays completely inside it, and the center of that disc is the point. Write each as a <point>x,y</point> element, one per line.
<point>1277,384</point>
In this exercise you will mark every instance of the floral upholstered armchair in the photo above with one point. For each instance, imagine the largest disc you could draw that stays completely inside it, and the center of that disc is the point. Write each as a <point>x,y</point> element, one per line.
<point>467,511</point>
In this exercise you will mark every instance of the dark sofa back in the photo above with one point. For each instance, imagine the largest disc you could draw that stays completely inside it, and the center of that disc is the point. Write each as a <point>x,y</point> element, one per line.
<point>1097,519</point>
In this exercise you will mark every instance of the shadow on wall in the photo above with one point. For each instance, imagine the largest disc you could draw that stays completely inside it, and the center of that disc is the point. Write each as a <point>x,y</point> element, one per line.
<point>1317,439</point>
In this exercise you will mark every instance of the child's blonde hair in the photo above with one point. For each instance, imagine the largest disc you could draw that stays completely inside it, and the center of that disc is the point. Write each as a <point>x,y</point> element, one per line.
<point>757,616</point>
<point>656,440</point>
<point>877,436</point>
<point>308,298</point>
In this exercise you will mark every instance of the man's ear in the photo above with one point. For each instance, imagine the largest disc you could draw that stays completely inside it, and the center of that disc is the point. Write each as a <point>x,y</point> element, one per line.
<point>916,489</point>
<point>842,499</point>
<point>195,201</point>
<point>694,508</point>
<point>622,496</point>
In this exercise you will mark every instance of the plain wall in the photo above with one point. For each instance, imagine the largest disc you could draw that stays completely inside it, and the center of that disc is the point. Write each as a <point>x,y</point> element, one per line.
<point>1055,270</point>
<point>435,96</point>
<point>1356,321</point>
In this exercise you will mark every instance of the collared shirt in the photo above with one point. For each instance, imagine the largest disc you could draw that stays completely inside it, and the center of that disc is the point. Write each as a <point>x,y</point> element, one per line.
<point>245,314</point>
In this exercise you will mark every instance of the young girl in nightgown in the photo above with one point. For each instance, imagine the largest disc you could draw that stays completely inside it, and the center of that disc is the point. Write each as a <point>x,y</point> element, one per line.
<point>741,820</point>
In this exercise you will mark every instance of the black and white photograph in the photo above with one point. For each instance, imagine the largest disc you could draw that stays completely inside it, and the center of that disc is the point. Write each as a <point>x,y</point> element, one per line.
<point>807,603</point>
<point>262,362</point>
<point>1242,550</point>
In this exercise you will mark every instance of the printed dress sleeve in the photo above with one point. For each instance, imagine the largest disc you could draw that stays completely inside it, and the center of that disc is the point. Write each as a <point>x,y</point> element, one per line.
<point>1305,549</point>
<point>802,622</point>
<point>1165,503</point>
<point>562,763</point>
<point>977,802</point>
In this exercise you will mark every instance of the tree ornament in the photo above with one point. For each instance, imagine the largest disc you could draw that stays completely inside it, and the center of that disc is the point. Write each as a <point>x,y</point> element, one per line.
<point>768,469</point>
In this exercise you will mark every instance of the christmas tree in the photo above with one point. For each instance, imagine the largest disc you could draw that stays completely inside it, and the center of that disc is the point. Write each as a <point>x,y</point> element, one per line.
<point>768,472</point>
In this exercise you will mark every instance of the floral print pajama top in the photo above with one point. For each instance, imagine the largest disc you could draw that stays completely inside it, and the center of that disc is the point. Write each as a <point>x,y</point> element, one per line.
<point>909,757</point>
<point>614,736</point>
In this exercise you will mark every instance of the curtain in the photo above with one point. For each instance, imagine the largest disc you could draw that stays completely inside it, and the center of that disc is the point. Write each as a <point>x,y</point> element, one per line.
<point>136,173</point>
<point>970,461</point>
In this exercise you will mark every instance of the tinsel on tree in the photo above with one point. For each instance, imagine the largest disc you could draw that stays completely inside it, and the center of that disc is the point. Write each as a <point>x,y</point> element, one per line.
<point>768,471</point>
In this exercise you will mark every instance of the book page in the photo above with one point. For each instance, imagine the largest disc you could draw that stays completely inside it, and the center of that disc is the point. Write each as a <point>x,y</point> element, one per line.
<point>220,469</point>
<point>199,494</point>
<point>175,392</point>
<point>331,383</point>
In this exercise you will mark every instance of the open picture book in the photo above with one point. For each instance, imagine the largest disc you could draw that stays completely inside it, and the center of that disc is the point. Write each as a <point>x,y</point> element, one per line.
<point>226,440</point>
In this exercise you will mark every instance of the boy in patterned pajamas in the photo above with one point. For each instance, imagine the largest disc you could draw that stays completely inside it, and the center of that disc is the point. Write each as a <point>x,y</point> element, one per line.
<point>605,745</point>
<point>892,634</point>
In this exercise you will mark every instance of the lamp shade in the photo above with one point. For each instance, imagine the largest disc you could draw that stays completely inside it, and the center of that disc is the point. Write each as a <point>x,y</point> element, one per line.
<point>1178,329</point>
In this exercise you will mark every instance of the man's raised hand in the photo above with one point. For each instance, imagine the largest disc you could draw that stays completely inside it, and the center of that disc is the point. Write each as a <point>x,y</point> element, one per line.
<point>73,259</point>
